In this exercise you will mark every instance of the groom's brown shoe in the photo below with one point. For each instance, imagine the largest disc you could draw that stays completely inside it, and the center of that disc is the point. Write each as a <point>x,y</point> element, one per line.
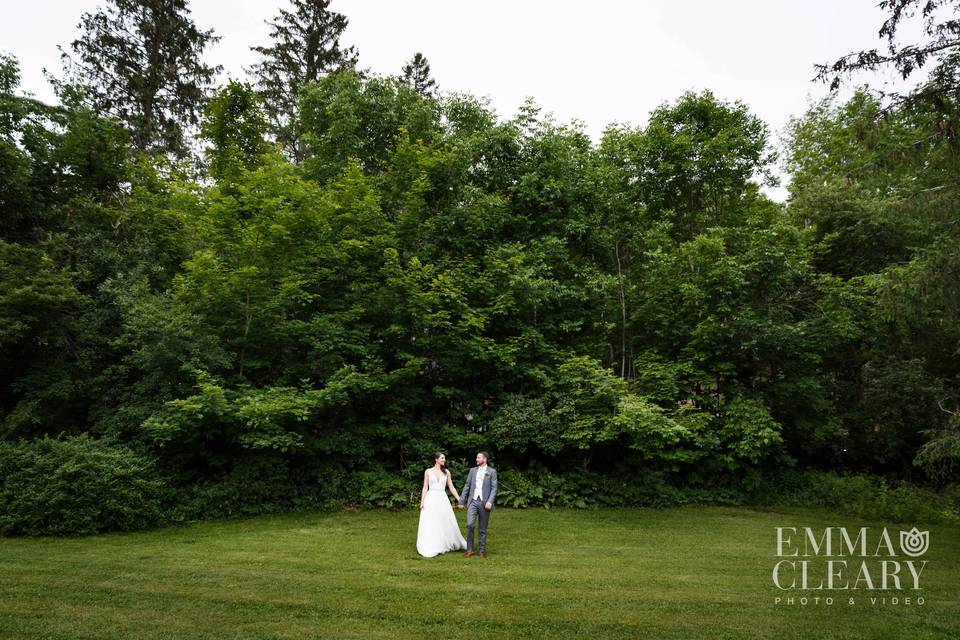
<point>468,554</point>
<point>482,556</point>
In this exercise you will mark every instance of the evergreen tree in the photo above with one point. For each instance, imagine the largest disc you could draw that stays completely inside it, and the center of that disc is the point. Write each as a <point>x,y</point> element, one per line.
<point>941,33</point>
<point>140,62</point>
<point>416,73</point>
<point>306,46</point>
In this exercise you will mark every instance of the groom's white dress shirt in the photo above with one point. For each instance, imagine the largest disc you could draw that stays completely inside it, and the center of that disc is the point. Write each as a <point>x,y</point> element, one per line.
<point>478,482</point>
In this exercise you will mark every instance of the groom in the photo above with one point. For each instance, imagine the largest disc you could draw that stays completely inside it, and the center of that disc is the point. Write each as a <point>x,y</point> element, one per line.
<point>478,495</point>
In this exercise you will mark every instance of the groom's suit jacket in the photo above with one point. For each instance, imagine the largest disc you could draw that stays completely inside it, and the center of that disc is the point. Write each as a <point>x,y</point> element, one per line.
<point>489,490</point>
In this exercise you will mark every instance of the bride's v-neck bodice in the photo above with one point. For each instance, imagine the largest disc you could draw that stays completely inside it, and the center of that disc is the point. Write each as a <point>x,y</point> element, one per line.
<point>436,483</point>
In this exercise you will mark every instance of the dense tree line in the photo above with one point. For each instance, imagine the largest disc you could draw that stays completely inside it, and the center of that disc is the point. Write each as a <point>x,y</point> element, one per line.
<point>367,270</point>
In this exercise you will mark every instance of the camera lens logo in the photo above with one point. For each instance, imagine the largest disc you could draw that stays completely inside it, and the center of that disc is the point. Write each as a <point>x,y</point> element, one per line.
<point>914,542</point>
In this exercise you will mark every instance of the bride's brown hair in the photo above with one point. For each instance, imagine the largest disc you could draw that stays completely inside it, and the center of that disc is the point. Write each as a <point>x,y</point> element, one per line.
<point>437,455</point>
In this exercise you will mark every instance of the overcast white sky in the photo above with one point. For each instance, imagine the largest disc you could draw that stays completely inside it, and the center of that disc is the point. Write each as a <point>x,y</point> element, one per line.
<point>597,62</point>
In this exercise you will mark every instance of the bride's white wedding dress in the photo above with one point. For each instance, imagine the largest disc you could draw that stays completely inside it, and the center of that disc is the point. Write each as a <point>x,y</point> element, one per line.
<point>439,531</point>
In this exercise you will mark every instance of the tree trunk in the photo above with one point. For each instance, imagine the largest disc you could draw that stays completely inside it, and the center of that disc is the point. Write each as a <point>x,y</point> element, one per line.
<point>623,313</point>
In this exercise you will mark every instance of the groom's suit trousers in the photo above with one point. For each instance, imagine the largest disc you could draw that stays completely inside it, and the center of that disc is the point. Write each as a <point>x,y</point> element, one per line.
<point>476,511</point>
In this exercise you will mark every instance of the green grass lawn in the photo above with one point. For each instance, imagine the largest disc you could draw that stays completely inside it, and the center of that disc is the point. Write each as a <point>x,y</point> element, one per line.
<point>690,572</point>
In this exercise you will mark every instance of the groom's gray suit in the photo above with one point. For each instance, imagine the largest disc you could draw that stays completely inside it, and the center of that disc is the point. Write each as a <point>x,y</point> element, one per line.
<point>476,508</point>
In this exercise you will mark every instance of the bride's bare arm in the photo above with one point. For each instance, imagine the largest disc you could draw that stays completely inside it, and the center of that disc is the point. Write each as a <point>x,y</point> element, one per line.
<point>426,484</point>
<point>450,486</point>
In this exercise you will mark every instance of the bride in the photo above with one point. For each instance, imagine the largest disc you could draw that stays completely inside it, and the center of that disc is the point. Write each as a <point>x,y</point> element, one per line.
<point>439,531</point>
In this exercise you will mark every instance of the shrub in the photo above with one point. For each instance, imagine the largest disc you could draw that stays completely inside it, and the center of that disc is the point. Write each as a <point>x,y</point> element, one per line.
<point>861,495</point>
<point>539,487</point>
<point>864,496</point>
<point>380,488</point>
<point>77,485</point>
<point>261,485</point>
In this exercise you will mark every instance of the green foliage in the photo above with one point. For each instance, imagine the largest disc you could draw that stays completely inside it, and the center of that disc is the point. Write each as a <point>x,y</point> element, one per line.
<point>37,298</point>
<point>537,486</point>
<point>141,63</point>
<point>416,73</point>
<point>940,454</point>
<point>522,421</point>
<point>305,46</point>
<point>660,378</point>
<point>77,486</point>
<point>56,161</point>
<point>860,495</point>
<point>379,488</point>
<point>851,171</point>
<point>939,29</point>
<point>345,118</point>
<point>264,483</point>
<point>694,163</point>
<point>220,420</point>
<point>674,438</point>
<point>33,292</point>
<point>587,395</point>
<point>749,432</point>
<point>235,126</point>
<point>418,274</point>
<point>878,188</point>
